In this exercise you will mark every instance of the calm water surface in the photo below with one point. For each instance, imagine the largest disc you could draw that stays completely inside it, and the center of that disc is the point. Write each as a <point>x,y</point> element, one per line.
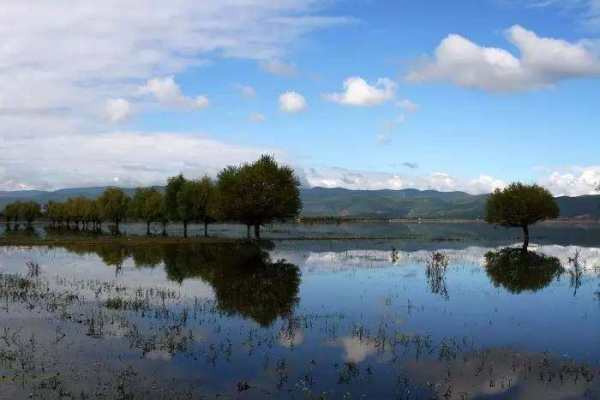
<point>405,318</point>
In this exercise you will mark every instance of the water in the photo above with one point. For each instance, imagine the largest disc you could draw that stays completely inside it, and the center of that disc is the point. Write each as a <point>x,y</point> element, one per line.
<point>384,318</point>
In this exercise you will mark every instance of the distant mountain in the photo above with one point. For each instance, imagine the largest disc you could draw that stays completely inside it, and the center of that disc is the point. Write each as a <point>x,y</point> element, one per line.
<point>406,203</point>
<point>337,202</point>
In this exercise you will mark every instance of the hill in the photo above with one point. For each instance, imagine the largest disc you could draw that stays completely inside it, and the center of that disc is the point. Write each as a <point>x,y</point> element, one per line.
<point>337,202</point>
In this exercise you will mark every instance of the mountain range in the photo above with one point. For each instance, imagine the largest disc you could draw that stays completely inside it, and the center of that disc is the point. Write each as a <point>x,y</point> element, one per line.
<point>338,202</point>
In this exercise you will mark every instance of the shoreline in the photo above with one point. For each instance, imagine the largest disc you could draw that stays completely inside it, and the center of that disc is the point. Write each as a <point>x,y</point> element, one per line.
<point>159,240</point>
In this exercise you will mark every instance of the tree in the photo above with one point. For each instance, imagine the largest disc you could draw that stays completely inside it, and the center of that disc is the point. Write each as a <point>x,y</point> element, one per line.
<point>187,203</point>
<point>30,211</point>
<point>174,185</point>
<point>259,193</point>
<point>206,204</point>
<point>55,212</point>
<point>11,212</point>
<point>114,204</point>
<point>519,206</point>
<point>146,206</point>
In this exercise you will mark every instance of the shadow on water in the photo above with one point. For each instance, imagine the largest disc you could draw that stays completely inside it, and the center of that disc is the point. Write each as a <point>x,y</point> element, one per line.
<point>245,280</point>
<point>518,272</point>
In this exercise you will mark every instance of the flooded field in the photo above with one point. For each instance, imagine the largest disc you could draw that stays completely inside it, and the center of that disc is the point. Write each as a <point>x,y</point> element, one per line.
<point>415,316</point>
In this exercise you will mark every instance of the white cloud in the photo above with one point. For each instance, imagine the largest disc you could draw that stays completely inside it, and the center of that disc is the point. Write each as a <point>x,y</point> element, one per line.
<point>257,118</point>
<point>279,68</point>
<point>77,55</point>
<point>168,93</point>
<point>292,102</point>
<point>573,181</point>
<point>543,62</point>
<point>374,180</point>
<point>130,158</point>
<point>64,59</point>
<point>118,110</point>
<point>357,92</point>
<point>408,106</point>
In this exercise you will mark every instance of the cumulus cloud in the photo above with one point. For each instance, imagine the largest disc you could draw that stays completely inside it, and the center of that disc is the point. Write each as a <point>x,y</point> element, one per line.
<point>279,68</point>
<point>109,50</point>
<point>167,92</point>
<point>542,63</point>
<point>357,92</point>
<point>118,110</point>
<point>292,102</point>
<point>573,181</point>
<point>129,158</point>
<point>68,58</point>
<point>373,180</point>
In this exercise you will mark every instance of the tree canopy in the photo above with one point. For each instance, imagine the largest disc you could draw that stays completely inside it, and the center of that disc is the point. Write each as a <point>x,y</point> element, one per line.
<point>254,194</point>
<point>520,205</point>
<point>114,204</point>
<point>259,193</point>
<point>147,206</point>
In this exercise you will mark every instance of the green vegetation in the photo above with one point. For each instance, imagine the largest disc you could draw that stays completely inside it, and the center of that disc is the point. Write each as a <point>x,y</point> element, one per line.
<point>350,205</point>
<point>147,205</point>
<point>254,194</point>
<point>114,205</point>
<point>517,271</point>
<point>259,193</point>
<point>519,206</point>
<point>27,211</point>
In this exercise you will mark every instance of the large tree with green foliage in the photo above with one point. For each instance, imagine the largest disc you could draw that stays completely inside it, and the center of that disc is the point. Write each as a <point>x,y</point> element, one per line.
<point>186,207</point>
<point>174,185</point>
<point>28,211</point>
<point>259,193</point>
<point>206,202</point>
<point>146,206</point>
<point>114,204</point>
<point>11,213</point>
<point>519,206</point>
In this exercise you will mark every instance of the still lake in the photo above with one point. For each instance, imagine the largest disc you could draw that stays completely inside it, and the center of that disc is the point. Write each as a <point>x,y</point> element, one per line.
<point>377,311</point>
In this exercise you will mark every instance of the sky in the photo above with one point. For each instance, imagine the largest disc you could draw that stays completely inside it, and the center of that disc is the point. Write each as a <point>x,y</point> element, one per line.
<point>362,94</point>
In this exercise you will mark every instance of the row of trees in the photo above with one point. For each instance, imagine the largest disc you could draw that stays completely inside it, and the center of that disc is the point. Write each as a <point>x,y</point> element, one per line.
<point>27,211</point>
<point>254,194</point>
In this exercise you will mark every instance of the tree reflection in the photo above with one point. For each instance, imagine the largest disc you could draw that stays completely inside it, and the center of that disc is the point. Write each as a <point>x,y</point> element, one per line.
<point>518,272</point>
<point>245,280</point>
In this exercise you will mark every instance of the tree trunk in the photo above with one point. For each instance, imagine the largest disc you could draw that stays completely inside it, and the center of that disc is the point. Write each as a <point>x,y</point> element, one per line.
<point>164,230</point>
<point>257,231</point>
<point>525,238</point>
<point>248,231</point>
<point>185,229</point>
<point>205,229</point>
<point>148,228</point>
<point>117,232</point>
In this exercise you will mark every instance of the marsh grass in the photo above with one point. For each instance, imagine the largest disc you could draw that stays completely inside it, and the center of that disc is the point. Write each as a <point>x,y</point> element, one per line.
<point>436,267</point>
<point>158,323</point>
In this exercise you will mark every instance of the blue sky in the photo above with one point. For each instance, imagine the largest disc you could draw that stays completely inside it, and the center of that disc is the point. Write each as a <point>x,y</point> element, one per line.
<point>191,87</point>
